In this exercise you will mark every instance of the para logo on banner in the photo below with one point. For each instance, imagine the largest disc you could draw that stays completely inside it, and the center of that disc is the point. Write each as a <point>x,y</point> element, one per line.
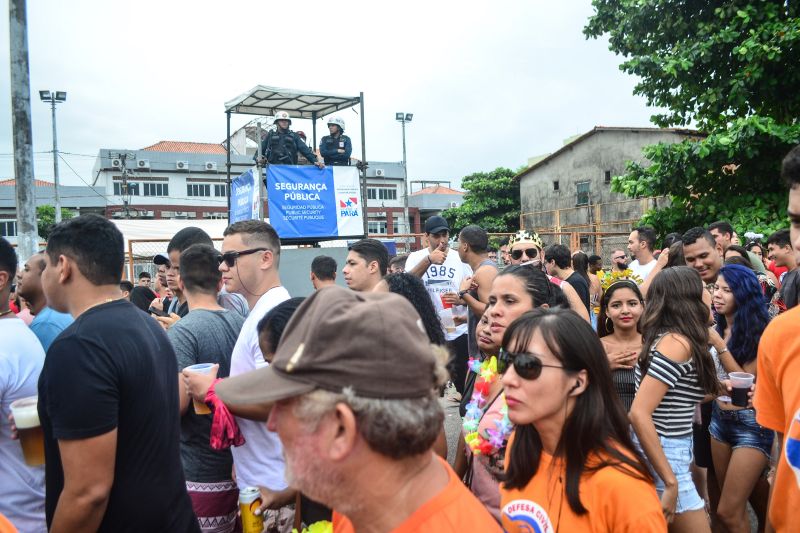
<point>348,206</point>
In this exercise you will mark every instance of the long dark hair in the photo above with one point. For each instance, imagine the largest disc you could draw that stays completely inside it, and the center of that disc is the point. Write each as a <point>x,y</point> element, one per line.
<point>675,305</point>
<point>540,289</point>
<point>751,313</point>
<point>580,263</point>
<point>602,329</point>
<point>412,289</point>
<point>597,427</point>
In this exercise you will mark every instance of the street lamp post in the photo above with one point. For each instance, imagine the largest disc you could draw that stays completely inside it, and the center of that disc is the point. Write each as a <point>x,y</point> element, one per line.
<point>403,118</point>
<point>53,98</point>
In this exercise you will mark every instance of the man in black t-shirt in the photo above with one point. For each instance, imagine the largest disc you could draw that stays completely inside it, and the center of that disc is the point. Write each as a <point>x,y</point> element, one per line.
<point>108,403</point>
<point>558,262</point>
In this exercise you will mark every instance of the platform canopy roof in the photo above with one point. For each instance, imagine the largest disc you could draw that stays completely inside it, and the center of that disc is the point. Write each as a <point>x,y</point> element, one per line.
<point>262,100</point>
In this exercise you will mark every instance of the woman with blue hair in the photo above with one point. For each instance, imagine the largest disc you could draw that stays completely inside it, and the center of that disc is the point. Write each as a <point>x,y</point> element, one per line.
<point>740,447</point>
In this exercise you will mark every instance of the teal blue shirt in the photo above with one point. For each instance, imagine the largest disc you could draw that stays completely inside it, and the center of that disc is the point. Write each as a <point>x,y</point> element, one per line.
<point>48,324</point>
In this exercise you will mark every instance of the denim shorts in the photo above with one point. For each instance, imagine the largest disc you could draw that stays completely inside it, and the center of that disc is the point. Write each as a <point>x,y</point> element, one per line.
<point>739,429</point>
<point>678,451</point>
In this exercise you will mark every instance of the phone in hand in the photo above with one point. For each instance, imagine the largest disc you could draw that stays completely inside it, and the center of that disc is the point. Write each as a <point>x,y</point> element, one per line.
<point>158,312</point>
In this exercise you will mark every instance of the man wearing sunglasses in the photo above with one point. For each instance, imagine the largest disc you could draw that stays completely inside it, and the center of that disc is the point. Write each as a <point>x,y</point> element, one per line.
<point>526,248</point>
<point>619,261</point>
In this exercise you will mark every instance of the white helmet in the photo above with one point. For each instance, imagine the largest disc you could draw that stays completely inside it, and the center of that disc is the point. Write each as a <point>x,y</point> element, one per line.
<point>338,121</point>
<point>282,115</point>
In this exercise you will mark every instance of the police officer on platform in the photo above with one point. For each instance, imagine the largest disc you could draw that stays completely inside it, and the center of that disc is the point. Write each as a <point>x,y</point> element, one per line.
<point>336,147</point>
<point>281,146</point>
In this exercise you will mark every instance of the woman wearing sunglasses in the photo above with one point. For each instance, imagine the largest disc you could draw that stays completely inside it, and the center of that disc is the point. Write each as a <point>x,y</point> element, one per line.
<point>570,464</point>
<point>673,374</point>
<point>618,328</point>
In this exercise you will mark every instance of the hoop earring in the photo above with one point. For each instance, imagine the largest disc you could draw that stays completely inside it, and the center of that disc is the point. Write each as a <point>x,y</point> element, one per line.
<point>609,326</point>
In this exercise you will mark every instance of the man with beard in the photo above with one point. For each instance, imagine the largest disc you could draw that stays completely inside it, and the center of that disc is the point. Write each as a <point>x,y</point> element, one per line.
<point>47,323</point>
<point>619,261</point>
<point>358,414</point>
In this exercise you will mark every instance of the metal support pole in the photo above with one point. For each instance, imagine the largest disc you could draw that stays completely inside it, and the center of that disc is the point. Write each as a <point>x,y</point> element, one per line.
<point>27,234</point>
<point>314,129</point>
<point>405,188</point>
<point>262,187</point>
<point>364,164</point>
<point>57,199</point>
<point>228,163</point>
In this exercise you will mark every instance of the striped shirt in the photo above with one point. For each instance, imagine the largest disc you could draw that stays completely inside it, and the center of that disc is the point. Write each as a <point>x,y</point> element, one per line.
<point>673,416</point>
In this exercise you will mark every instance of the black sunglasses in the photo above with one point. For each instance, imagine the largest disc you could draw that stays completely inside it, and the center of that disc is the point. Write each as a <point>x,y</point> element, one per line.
<point>530,252</point>
<point>230,257</point>
<point>526,365</point>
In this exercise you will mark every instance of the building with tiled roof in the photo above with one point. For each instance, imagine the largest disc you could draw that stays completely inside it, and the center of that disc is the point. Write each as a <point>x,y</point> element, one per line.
<point>37,183</point>
<point>186,147</point>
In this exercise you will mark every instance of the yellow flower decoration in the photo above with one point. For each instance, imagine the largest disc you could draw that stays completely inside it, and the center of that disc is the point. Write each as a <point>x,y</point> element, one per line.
<point>612,277</point>
<point>323,526</point>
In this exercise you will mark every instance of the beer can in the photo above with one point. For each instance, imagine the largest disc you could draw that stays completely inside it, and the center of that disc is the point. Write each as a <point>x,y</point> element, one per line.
<point>249,501</point>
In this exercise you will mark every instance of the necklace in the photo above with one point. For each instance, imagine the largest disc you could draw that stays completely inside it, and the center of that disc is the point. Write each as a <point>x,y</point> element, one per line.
<point>495,439</point>
<point>4,313</point>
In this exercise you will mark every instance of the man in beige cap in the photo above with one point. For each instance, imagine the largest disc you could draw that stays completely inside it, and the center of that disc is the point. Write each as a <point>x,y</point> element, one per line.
<point>357,412</point>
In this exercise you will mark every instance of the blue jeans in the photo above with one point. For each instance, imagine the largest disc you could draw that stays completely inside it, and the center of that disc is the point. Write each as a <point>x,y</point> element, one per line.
<point>739,429</point>
<point>679,455</point>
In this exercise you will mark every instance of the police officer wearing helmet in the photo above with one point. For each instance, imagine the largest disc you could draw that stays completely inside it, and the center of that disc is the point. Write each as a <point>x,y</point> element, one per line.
<point>336,147</point>
<point>282,145</point>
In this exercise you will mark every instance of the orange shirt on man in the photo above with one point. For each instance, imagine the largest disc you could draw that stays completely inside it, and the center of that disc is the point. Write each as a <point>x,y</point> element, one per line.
<point>777,403</point>
<point>454,509</point>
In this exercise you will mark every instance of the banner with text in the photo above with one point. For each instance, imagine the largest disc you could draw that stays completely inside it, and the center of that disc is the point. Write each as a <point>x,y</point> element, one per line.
<point>306,202</point>
<point>244,197</point>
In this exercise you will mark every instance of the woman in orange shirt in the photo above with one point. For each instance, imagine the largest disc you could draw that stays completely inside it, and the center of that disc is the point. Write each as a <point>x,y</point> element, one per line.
<point>570,465</point>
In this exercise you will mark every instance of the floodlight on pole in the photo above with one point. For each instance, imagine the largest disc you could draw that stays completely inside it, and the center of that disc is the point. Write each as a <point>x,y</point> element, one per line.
<point>403,118</point>
<point>53,98</point>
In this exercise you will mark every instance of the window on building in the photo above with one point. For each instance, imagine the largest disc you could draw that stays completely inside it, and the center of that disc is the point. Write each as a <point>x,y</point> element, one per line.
<point>8,228</point>
<point>555,185</point>
<point>387,194</point>
<point>607,177</point>
<point>198,189</point>
<point>583,193</point>
<point>372,194</point>
<point>156,189</point>
<point>376,227</point>
<point>133,188</point>
<point>221,190</point>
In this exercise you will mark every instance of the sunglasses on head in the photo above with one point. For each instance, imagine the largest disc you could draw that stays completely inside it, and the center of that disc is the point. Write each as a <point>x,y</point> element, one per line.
<point>530,252</point>
<point>526,365</point>
<point>229,258</point>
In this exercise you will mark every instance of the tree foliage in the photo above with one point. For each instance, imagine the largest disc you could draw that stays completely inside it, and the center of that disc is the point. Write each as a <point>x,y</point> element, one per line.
<point>491,201</point>
<point>730,68</point>
<point>46,218</point>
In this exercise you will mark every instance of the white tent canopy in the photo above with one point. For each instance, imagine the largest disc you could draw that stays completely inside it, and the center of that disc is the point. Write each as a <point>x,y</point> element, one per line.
<point>263,100</point>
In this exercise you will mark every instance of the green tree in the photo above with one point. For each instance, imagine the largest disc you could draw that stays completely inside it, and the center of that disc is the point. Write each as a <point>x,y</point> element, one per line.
<point>728,67</point>
<point>46,218</point>
<point>491,201</point>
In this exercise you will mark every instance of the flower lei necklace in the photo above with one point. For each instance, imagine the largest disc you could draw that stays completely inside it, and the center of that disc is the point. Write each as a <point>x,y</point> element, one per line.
<point>497,438</point>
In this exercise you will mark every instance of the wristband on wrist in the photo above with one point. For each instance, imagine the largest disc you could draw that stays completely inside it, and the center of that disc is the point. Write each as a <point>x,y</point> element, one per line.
<point>462,293</point>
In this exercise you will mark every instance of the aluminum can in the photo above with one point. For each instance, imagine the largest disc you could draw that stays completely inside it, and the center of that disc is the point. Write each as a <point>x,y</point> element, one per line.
<point>249,501</point>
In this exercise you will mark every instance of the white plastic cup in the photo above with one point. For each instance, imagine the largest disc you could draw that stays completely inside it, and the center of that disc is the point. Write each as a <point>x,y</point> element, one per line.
<point>203,368</point>
<point>741,383</point>
<point>31,437</point>
<point>446,317</point>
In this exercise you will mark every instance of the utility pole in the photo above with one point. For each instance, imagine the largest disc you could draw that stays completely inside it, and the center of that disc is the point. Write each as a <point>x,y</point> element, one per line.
<point>403,118</point>
<point>126,196</point>
<point>53,98</point>
<point>27,234</point>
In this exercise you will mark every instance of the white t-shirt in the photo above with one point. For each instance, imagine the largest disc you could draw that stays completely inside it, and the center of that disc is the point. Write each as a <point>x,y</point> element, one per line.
<point>21,486</point>
<point>439,279</point>
<point>260,461</point>
<point>642,270</point>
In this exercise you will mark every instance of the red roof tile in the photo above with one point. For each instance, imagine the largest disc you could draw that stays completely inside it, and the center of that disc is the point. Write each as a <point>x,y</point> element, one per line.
<point>186,147</point>
<point>436,189</point>
<point>37,183</point>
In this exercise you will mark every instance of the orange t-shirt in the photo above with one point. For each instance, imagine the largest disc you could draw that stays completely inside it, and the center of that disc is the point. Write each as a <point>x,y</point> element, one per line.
<point>777,403</point>
<point>6,526</point>
<point>453,509</point>
<point>615,501</point>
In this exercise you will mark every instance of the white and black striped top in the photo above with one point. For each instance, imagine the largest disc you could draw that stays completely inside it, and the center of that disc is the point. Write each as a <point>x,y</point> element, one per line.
<point>673,416</point>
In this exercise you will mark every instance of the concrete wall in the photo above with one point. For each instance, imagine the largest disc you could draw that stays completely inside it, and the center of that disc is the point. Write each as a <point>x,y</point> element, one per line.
<point>587,160</point>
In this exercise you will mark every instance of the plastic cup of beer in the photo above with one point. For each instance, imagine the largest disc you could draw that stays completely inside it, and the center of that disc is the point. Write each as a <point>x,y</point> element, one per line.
<point>31,437</point>
<point>741,383</point>
<point>446,317</point>
<point>203,368</point>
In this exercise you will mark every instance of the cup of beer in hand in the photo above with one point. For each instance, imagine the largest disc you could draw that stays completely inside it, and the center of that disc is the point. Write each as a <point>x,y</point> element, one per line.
<point>31,437</point>
<point>203,368</point>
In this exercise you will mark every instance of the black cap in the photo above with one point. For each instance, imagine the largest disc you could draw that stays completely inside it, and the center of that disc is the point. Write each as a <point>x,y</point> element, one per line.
<point>436,224</point>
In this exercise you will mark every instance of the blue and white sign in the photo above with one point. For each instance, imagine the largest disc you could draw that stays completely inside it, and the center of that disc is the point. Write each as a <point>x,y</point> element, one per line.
<point>308,203</point>
<point>244,197</point>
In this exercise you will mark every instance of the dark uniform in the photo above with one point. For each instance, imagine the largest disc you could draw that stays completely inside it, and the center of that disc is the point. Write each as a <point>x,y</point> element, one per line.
<point>329,148</point>
<point>280,147</point>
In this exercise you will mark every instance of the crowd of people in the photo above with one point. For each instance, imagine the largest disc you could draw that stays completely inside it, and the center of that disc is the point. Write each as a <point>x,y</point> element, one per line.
<point>661,393</point>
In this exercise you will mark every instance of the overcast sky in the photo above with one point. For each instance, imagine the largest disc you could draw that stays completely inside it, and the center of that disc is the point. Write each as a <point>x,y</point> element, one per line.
<point>490,84</point>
